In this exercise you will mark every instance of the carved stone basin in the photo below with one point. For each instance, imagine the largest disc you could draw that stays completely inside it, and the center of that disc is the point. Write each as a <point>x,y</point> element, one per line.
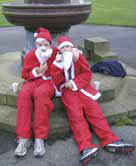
<point>56,16</point>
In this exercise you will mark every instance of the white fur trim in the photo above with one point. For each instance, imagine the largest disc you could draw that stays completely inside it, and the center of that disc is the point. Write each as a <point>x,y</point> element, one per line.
<point>46,78</point>
<point>74,85</point>
<point>58,64</point>
<point>65,43</point>
<point>40,40</point>
<point>35,73</point>
<point>66,74</point>
<point>72,71</point>
<point>35,34</point>
<point>94,97</point>
<point>62,86</point>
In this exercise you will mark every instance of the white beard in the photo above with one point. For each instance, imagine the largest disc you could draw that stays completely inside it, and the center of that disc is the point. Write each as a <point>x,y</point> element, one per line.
<point>43,56</point>
<point>67,59</point>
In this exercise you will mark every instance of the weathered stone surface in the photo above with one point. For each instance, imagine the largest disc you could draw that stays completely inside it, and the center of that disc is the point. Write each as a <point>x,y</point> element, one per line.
<point>97,44</point>
<point>7,118</point>
<point>100,57</point>
<point>109,88</point>
<point>131,71</point>
<point>3,99</point>
<point>59,125</point>
<point>113,110</point>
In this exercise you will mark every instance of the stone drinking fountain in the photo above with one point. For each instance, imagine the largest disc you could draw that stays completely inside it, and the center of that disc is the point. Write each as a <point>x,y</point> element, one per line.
<point>56,15</point>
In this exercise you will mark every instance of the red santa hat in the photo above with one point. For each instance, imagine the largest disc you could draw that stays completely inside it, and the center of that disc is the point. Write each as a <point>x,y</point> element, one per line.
<point>42,34</point>
<point>64,41</point>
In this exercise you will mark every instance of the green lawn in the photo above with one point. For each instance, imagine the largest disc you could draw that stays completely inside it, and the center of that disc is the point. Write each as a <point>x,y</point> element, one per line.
<point>3,21</point>
<point>113,12</point>
<point>109,12</point>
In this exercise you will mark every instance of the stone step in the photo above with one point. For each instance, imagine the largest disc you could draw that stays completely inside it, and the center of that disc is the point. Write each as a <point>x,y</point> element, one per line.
<point>99,57</point>
<point>109,88</point>
<point>59,124</point>
<point>113,110</point>
<point>95,57</point>
<point>97,44</point>
<point>113,89</point>
<point>109,85</point>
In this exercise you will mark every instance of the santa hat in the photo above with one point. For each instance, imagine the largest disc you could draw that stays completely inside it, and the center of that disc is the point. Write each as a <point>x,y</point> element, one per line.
<point>64,41</point>
<point>42,34</point>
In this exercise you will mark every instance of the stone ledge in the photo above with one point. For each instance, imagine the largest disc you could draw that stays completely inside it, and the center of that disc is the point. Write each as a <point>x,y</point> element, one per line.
<point>109,88</point>
<point>59,124</point>
<point>9,61</point>
<point>100,57</point>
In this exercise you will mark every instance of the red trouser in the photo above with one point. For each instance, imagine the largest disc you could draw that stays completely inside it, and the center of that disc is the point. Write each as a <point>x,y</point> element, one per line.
<point>35,95</point>
<point>78,106</point>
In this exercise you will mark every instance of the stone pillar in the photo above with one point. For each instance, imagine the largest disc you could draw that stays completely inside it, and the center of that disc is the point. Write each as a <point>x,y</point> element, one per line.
<point>29,41</point>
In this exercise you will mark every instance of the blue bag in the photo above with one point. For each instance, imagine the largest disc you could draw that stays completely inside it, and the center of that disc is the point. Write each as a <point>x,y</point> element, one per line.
<point>113,68</point>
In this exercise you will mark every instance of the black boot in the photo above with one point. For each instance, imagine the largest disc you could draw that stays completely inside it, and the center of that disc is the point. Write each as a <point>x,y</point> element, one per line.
<point>88,154</point>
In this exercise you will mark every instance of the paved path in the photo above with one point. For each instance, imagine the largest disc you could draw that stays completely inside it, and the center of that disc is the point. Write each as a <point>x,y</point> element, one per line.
<point>123,39</point>
<point>65,153</point>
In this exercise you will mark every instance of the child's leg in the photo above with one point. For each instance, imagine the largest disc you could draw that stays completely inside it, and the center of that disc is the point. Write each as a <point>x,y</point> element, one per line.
<point>43,106</point>
<point>76,119</point>
<point>24,113</point>
<point>98,121</point>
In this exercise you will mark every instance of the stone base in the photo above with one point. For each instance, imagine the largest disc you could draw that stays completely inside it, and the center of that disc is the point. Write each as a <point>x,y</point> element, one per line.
<point>118,98</point>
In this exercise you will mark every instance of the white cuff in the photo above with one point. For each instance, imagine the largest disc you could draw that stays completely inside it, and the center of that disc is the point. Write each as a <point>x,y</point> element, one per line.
<point>58,64</point>
<point>74,85</point>
<point>35,73</point>
<point>94,97</point>
<point>46,78</point>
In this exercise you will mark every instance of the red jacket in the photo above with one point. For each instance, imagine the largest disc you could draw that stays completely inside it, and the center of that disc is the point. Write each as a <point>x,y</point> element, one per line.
<point>31,61</point>
<point>81,77</point>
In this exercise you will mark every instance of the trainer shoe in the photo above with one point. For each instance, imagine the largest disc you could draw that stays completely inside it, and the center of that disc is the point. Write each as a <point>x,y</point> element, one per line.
<point>22,147</point>
<point>120,147</point>
<point>88,154</point>
<point>39,147</point>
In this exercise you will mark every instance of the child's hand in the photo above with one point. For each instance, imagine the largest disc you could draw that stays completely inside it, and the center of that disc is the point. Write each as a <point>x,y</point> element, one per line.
<point>42,68</point>
<point>76,54</point>
<point>69,85</point>
<point>58,57</point>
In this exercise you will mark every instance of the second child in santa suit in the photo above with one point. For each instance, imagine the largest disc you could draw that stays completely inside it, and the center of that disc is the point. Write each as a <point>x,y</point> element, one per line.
<point>35,96</point>
<point>72,76</point>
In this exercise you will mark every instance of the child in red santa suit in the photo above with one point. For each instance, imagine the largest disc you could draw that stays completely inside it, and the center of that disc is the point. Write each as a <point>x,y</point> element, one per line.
<point>72,77</point>
<point>35,96</point>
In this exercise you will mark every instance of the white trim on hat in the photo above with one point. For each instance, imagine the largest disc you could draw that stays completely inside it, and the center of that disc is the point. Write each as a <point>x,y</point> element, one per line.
<point>40,40</point>
<point>65,43</point>
<point>35,34</point>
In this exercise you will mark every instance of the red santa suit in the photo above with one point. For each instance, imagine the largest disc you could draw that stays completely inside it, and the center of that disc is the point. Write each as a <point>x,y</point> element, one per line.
<point>81,104</point>
<point>34,100</point>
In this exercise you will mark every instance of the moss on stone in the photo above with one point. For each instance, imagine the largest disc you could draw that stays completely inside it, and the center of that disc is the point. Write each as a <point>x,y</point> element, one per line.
<point>125,121</point>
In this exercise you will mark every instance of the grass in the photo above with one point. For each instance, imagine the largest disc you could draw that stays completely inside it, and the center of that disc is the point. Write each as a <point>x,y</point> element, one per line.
<point>113,12</point>
<point>3,21</point>
<point>105,12</point>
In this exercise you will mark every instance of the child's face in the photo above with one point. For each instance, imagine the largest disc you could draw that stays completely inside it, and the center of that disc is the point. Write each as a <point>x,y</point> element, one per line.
<point>43,45</point>
<point>66,48</point>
